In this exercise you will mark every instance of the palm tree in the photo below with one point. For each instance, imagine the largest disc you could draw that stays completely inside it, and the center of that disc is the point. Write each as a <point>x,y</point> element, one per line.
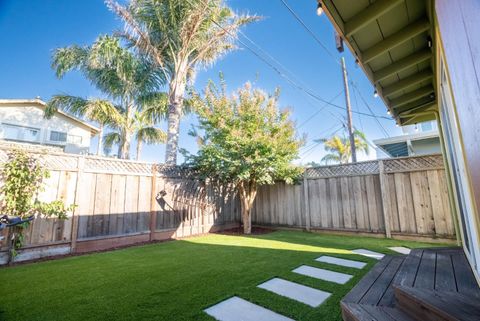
<point>143,127</point>
<point>339,147</point>
<point>179,36</point>
<point>131,82</point>
<point>100,111</point>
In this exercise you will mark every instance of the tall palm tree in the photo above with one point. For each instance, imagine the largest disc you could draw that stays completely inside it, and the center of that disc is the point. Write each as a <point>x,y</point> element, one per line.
<point>179,36</point>
<point>130,81</point>
<point>339,150</point>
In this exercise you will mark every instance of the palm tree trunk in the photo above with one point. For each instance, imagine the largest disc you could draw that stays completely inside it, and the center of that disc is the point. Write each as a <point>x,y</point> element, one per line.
<point>100,142</point>
<point>139,148</point>
<point>175,105</point>
<point>124,150</point>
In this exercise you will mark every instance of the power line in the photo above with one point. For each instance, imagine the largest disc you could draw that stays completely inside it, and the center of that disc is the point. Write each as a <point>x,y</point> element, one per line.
<point>369,108</point>
<point>279,72</point>
<point>294,14</point>
<point>318,111</point>
<point>309,151</point>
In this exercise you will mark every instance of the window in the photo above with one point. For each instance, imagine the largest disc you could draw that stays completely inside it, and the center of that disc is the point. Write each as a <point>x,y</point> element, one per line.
<point>74,139</point>
<point>58,137</point>
<point>15,132</point>
<point>427,126</point>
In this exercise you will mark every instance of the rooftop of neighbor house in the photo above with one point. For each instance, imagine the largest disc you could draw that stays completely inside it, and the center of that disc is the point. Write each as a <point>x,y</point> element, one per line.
<point>39,103</point>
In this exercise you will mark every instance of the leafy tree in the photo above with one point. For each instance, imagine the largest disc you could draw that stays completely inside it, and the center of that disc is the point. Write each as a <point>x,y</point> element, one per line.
<point>132,83</point>
<point>22,177</point>
<point>179,36</point>
<point>246,142</point>
<point>339,150</point>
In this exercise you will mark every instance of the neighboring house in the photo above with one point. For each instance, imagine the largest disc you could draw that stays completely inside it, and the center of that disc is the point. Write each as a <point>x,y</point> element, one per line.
<point>21,120</point>
<point>423,57</point>
<point>419,139</point>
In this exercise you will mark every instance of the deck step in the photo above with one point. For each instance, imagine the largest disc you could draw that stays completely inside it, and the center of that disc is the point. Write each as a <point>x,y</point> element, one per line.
<point>366,312</point>
<point>432,305</point>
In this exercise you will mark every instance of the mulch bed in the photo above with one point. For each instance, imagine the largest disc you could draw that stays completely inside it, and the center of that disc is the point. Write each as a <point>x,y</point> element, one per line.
<point>239,231</point>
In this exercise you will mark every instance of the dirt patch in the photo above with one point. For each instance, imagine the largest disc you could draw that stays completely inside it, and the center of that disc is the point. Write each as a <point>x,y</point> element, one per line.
<point>239,231</point>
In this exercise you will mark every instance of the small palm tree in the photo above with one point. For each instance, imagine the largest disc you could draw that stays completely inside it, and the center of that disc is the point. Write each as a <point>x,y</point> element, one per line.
<point>143,127</point>
<point>179,36</point>
<point>97,110</point>
<point>132,83</point>
<point>339,150</point>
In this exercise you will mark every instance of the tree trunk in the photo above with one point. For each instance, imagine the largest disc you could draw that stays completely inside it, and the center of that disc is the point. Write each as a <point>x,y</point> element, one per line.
<point>139,148</point>
<point>100,141</point>
<point>248,192</point>
<point>175,105</point>
<point>124,152</point>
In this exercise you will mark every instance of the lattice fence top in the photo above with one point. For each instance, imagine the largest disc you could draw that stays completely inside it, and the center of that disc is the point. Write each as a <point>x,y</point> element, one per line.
<point>362,168</point>
<point>391,165</point>
<point>72,162</point>
<point>413,163</point>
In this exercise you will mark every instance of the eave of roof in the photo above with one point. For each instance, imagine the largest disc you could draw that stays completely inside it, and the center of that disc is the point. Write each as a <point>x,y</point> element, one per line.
<point>404,138</point>
<point>390,39</point>
<point>40,103</point>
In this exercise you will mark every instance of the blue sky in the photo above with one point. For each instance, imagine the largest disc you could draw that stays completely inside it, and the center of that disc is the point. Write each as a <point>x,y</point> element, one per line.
<point>30,30</point>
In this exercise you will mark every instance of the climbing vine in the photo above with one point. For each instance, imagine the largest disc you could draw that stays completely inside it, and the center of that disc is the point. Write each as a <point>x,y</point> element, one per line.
<point>22,177</point>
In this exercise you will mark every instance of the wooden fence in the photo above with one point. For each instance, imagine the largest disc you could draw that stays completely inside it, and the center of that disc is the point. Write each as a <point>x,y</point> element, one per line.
<point>121,202</point>
<point>401,196</point>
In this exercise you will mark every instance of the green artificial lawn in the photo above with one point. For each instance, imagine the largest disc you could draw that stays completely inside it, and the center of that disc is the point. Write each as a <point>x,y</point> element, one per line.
<point>177,280</point>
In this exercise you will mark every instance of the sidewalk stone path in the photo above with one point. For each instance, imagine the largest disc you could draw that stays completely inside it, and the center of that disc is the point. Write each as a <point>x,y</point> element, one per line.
<point>400,249</point>
<point>342,262</point>
<point>295,291</point>
<point>238,309</point>
<point>370,254</point>
<point>322,274</point>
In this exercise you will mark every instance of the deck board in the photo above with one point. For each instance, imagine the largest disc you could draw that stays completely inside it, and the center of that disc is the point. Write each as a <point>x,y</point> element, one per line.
<point>440,271</point>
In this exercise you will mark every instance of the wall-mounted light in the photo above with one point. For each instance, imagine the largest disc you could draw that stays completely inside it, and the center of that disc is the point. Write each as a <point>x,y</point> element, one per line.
<point>375,93</point>
<point>429,42</point>
<point>388,112</point>
<point>319,8</point>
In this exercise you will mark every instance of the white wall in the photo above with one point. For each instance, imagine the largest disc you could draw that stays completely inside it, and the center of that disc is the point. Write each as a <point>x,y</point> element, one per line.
<point>31,116</point>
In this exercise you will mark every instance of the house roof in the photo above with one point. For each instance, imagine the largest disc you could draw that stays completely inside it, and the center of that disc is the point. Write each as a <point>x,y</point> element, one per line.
<point>398,146</point>
<point>41,104</point>
<point>393,41</point>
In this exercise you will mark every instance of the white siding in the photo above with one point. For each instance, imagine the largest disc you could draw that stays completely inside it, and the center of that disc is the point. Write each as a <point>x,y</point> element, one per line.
<point>31,116</point>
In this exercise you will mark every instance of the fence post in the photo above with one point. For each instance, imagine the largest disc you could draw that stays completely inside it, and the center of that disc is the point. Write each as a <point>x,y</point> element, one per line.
<point>78,192</point>
<point>385,197</point>
<point>306,201</point>
<point>153,213</point>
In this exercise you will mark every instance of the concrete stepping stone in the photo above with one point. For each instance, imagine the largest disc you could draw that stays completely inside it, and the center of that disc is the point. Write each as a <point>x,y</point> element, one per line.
<point>342,262</point>
<point>305,294</point>
<point>400,249</point>
<point>370,254</point>
<point>238,309</point>
<point>322,274</point>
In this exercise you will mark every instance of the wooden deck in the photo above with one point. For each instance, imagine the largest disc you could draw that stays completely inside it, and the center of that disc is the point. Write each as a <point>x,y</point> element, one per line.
<point>428,284</point>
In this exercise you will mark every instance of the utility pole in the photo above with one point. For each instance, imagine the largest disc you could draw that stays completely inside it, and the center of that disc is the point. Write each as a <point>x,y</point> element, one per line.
<point>349,112</point>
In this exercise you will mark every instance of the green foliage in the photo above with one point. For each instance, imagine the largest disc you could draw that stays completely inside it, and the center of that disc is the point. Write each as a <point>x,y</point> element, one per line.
<point>339,150</point>
<point>246,138</point>
<point>179,37</point>
<point>22,177</point>
<point>131,82</point>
